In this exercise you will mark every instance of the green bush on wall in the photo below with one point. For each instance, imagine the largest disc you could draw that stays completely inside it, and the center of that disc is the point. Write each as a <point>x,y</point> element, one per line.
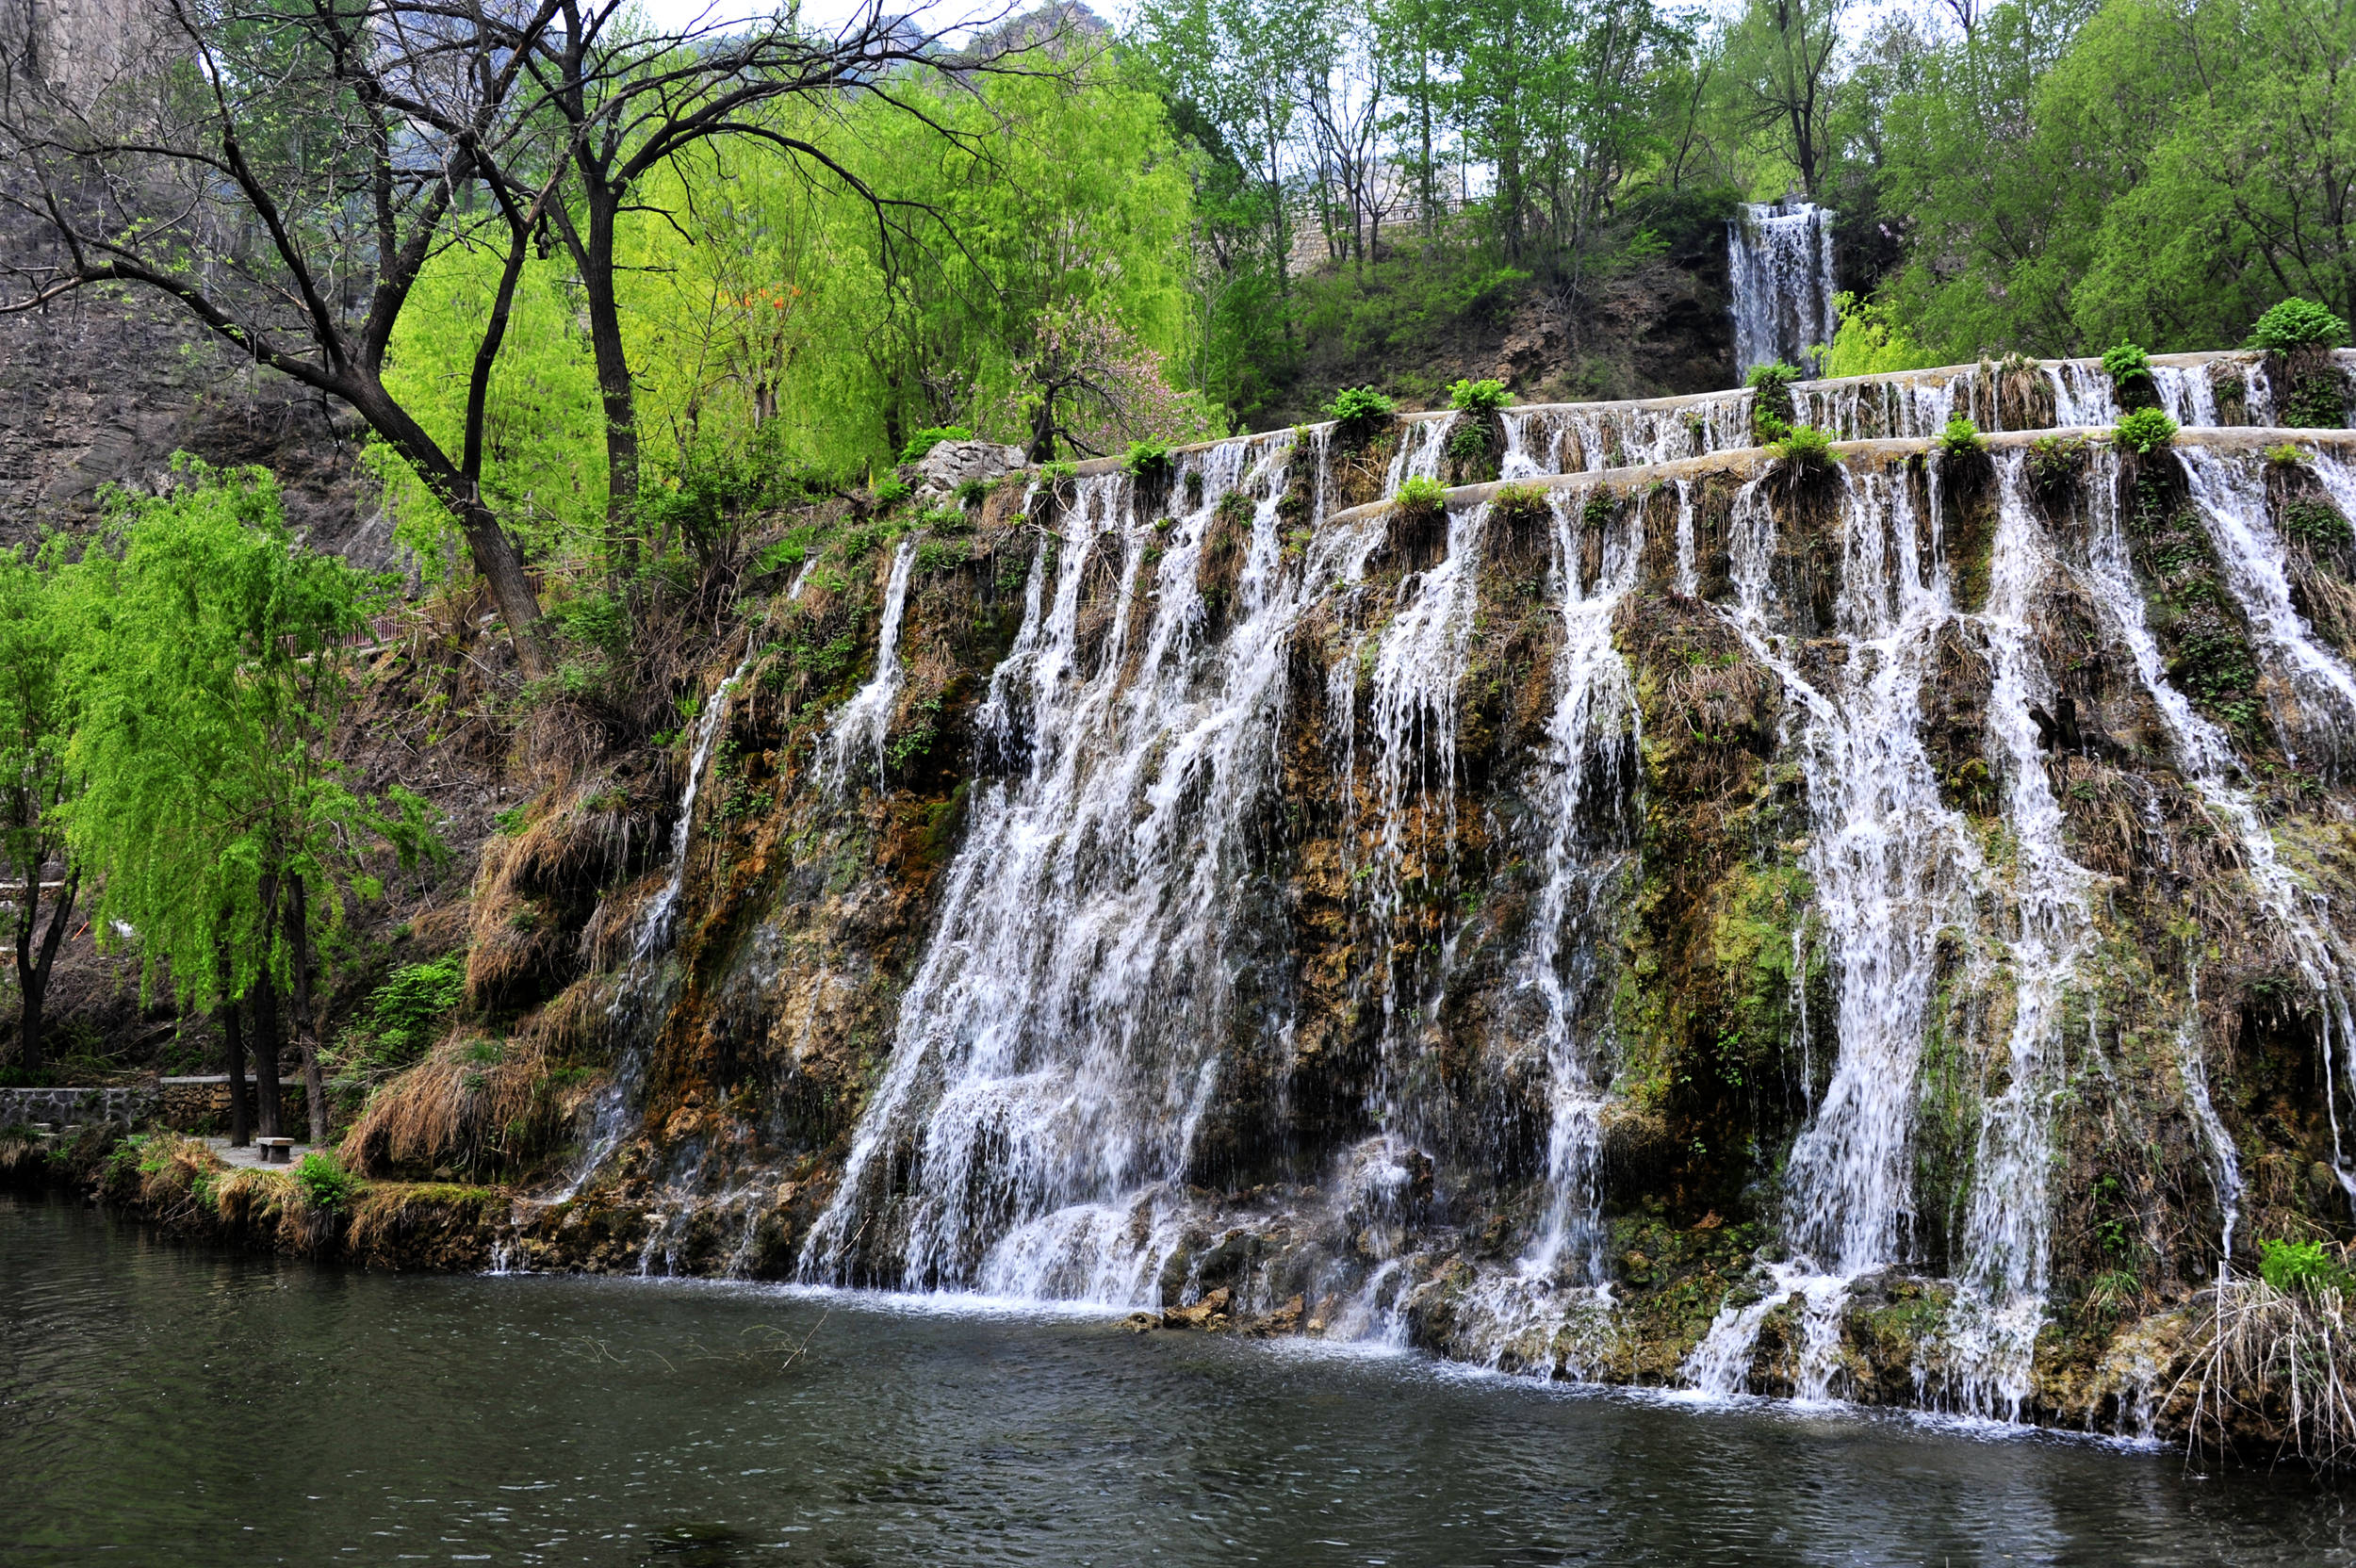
<point>2145,429</point>
<point>1961,438</point>
<point>1478,398</point>
<point>2126,363</point>
<point>2298,323</point>
<point>1422,496</point>
<point>1358,412</point>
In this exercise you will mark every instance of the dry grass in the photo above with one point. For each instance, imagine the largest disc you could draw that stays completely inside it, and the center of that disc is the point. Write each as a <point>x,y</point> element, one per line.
<point>2274,1368</point>
<point>536,888</point>
<point>476,1104</point>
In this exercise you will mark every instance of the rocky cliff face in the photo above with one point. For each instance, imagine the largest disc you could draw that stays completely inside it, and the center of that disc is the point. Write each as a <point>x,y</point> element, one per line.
<point>1681,913</point>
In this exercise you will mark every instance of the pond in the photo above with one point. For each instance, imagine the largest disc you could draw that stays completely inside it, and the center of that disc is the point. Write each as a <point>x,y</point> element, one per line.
<point>168,1404</point>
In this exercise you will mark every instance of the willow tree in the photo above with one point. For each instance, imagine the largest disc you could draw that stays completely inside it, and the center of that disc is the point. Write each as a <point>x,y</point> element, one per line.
<point>215,816</point>
<point>37,782</point>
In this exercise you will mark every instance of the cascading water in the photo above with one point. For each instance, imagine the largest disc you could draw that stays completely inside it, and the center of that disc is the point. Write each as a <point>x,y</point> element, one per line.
<point>858,728</point>
<point>609,1121</point>
<point>2206,759</point>
<point>1064,1033</point>
<point>2233,504</point>
<point>1552,1312</point>
<point>2000,1286</point>
<point>1890,864</point>
<point>1779,254</point>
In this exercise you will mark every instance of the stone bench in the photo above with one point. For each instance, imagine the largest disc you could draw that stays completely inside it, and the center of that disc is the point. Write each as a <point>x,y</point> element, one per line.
<point>276,1151</point>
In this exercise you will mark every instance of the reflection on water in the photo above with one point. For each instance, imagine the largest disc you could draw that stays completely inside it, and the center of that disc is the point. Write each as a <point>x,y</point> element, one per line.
<point>186,1406</point>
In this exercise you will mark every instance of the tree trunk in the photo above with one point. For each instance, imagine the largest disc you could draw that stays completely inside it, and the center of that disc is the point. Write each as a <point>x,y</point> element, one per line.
<point>305,1019</point>
<point>614,385</point>
<point>495,554</point>
<point>33,967</point>
<point>266,1056</point>
<point>232,1042</point>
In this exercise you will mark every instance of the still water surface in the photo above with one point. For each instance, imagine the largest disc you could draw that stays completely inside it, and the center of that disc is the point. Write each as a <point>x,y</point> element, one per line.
<point>172,1405</point>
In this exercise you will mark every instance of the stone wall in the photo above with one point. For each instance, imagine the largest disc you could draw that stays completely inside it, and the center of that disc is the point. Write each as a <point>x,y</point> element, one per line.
<point>66,1107</point>
<point>201,1104</point>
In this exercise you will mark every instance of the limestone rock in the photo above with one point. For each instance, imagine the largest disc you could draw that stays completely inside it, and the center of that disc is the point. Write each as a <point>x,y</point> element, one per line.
<point>939,472</point>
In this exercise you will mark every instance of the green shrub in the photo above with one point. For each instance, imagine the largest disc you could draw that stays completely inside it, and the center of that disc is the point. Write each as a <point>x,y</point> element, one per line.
<point>1058,471</point>
<point>406,1011</point>
<point>1482,398</point>
<point>2126,363</point>
<point>2290,1265</point>
<point>2285,456</point>
<point>2144,430</point>
<point>2315,524</point>
<point>891,491</point>
<point>1805,446</point>
<point>1149,462</point>
<point>1469,441</point>
<point>923,441</point>
<point>1771,401</point>
<point>973,491</point>
<point>1423,496</point>
<point>1961,438</point>
<point>325,1183</point>
<point>1358,412</point>
<point>2298,323</point>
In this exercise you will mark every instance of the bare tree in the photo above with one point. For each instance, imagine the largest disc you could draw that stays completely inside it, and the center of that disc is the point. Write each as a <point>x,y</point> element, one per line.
<point>632,100</point>
<point>286,172</point>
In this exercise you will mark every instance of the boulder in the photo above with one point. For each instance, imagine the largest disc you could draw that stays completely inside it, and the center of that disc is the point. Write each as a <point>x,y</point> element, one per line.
<point>939,472</point>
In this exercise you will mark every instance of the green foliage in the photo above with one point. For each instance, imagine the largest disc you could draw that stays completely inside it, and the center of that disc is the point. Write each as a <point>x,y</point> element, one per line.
<point>1961,438</point>
<point>710,486</point>
<point>1468,441</point>
<point>973,491</point>
<point>2054,461</point>
<point>1358,413</point>
<point>891,491</point>
<point>1771,401</point>
<point>1805,446</point>
<point>1421,496</point>
<point>2317,524</point>
<point>2301,1265</point>
<point>326,1185</point>
<point>920,445</point>
<point>2298,323</point>
<point>405,1012</point>
<point>2125,364</point>
<point>1148,463</point>
<point>1478,398</point>
<point>2144,430</point>
<point>213,676</point>
<point>2285,456</point>
<point>1869,341</point>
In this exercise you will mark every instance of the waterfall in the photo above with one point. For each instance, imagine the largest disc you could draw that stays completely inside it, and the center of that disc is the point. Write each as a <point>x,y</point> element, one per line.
<point>2083,396</point>
<point>654,927</point>
<point>860,729</point>
<point>2000,1286</point>
<point>2233,504</point>
<point>2224,1158</point>
<point>1422,448</point>
<point>1891,863</point>
<point>2205,756</point>
<point>1062,1036</point>
<point>608,1119</point>
<point>1592,741</point>
<point>2185,393</point>
<point>1779,255</point>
